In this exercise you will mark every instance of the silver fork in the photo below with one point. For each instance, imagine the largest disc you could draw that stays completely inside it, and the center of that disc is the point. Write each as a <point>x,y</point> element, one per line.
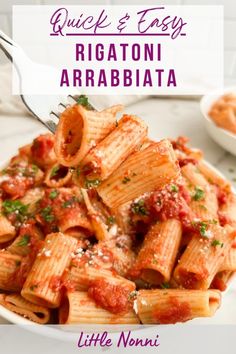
<point>46,108</point>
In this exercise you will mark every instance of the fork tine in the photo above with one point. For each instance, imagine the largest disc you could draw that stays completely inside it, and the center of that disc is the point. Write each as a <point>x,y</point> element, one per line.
<point>71,98</point>
<point>54,115</point>
<point>62,107</point>
<point>51,126</point>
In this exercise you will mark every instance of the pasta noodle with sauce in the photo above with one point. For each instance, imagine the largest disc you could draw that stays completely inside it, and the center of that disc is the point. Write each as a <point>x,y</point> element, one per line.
<point>101,224</point>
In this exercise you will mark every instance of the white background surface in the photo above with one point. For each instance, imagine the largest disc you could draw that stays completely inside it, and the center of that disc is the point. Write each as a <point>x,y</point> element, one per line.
<point>229,26</point>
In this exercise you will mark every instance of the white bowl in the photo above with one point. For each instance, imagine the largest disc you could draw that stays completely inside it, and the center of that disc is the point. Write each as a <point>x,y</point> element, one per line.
<point>224,138</point>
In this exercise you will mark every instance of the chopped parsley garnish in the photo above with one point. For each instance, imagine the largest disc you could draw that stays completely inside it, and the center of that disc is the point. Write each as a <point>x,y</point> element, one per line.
<point>54,171</point>
<point>139,208</point>
<point>78,171</point>
<point>111,220</point>
<point>154,261</point>
<point>18,263</point>
<point>217,243</point>
<point>165,285</point>
<point>46,214</point>
<point>29,171</point>
<point>34,169</point>
<point>18,169</point>
<point>53,194</point>
<point>174,188</point>
<point>69,202</point>
<point>83,101</point>
<point>203,228</point>
<point>14,206</point>
<point>126,180</point>
<point>24,241</point>
<point>199,194</point>
<point>92,183</point>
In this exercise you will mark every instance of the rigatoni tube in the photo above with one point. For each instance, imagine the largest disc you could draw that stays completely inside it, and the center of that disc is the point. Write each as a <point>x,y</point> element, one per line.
<point>170,306</point>
<point>204,256</point>
<point>17,304</point>
<point>158,253</point>
<point>42,286</point>
<point>79,130</point>
<point>79,308</point>
<point>104,158</point>
<point>140,173</point>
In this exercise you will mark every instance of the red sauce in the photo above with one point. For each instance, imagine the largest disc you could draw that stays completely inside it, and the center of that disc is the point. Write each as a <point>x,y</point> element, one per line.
<point>218,283</point>
<point>176,312</point>
<point>180,144</point>
<point>167,204</point>
<point>42,150</point>
<point>55,283</point>
<point>186,161</point>
<point>191,280</point>
<point>22,271</point>
<point>224,219</point>
<point>113,298</point>
<point>35,241</point>
<point>20,177</point>
<point>222,196</point>
<point>69,285</point>
<point>16,187</point>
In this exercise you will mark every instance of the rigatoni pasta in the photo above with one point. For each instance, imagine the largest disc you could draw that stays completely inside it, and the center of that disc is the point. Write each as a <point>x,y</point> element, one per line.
<point>19,305</point>
<point>176,305</point>
<point>100,224</point>
<point>156,258</point>
<point>105,158</point>
<point>208,252</point>
<point>42,286</point>
<point>9,267</point>
<point>143,171</point>
<point>7,230</point>
<point>80,129</point>
<point>78,308</point>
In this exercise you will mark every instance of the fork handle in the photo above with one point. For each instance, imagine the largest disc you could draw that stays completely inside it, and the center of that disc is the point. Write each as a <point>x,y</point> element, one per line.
<point>12,50</point>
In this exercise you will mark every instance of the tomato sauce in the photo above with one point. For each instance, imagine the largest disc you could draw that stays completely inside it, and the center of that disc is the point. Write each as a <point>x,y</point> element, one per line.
<point>186,161</point>
<point>21,273</point>
<point>42,150</point>
<point>111,297</point>
<point>167,204</point>
<point>63,206</point>
<point>223,219</point>
<point>17,187</point>
<point>55,283</point>
<point>221,195</point>
<point>218,283</point>
<point>176,312</point>
<point>191,280</point>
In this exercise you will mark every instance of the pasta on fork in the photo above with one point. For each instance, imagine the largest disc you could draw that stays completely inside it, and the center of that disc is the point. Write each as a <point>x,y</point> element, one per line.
<point>101,225</point>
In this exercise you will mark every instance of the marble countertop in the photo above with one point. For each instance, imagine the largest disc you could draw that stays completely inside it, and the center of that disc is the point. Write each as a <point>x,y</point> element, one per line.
<point>166,118</point>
